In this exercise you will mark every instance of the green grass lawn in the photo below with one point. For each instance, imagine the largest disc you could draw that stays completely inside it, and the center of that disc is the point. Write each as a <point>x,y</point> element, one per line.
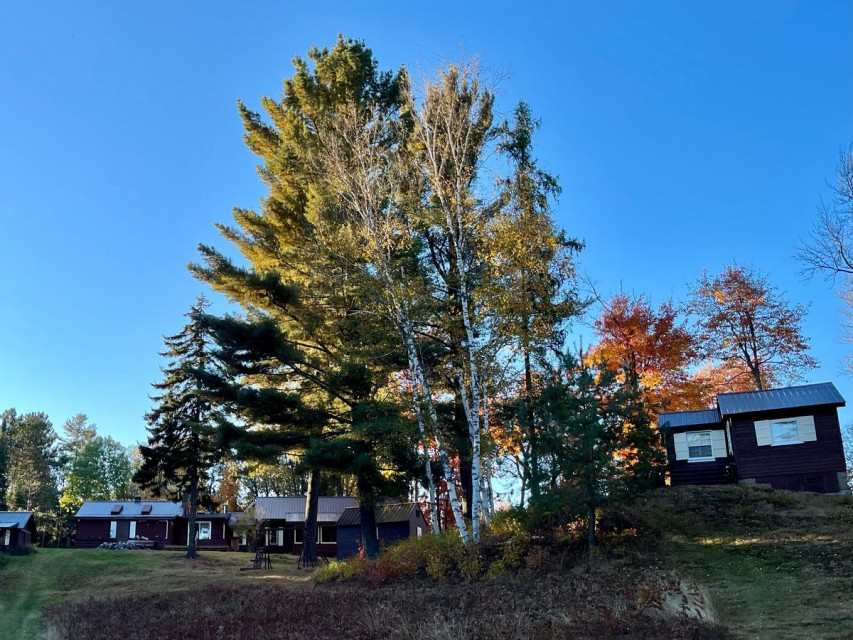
<point>776,564</point>
<point>67,575</point>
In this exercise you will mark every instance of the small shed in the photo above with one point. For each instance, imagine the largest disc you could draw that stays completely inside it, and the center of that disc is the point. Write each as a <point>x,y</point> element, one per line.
<point>787,438</point>
<point>17,530</point>
<point>394,522</point>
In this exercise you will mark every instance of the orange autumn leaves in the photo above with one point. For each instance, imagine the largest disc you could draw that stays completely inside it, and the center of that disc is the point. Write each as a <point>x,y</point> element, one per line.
<point>653,349</point>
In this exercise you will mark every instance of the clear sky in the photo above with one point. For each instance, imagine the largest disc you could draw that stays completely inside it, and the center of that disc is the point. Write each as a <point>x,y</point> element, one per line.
<point>685,134</point>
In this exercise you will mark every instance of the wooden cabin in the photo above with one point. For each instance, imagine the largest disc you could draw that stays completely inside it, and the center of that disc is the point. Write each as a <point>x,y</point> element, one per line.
<point>164,524</point>
<point>283,523</point>
<point>17,530</point>
<point>394,522</point>
<point>788,438</point>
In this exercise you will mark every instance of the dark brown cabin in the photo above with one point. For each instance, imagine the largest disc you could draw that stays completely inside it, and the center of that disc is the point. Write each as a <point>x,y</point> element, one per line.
<point>283,523</point>
<point>394,522</point>
<point>161,523</point>
<point>17,530</point>
<point>787,438</point>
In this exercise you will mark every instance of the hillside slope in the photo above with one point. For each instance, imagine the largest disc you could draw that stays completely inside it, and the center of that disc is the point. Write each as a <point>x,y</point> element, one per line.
<point>776,564</point>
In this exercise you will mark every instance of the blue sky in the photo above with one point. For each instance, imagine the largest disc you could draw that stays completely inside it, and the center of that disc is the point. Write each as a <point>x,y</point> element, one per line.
<point>685,135</point>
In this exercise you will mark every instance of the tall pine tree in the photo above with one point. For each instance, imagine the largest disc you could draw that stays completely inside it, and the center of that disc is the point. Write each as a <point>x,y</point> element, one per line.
<point>310,363</point>
<point>181,443</point>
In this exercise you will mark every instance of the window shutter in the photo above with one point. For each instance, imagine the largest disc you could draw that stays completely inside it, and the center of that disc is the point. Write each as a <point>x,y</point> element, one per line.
<point>762,433</point>
<point>807,430</point>
<point>681,452</point>
<point>718,443</point>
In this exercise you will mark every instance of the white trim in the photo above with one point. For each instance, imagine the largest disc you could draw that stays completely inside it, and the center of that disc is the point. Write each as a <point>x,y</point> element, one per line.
<point>8,537</point>
<point>132,533</point>
<point>762,433</point>
<point>113,529</point>
<point>680,442</point>
<point>207,525</point>
<point>807,428</point>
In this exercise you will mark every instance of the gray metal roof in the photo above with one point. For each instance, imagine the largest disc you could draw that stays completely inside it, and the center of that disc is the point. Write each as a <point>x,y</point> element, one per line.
<point>689,418</point>
<point>809,395</point>
<point>129,509</point>
<point>385,513</point>
<point>292,509</point>
<point>14,519</point>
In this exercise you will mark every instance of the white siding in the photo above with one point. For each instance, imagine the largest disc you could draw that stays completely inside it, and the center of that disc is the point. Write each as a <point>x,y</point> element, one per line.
<point>762,433</point>
<point>718,443</point>
<point>807,430</point>
<point>681,452</point>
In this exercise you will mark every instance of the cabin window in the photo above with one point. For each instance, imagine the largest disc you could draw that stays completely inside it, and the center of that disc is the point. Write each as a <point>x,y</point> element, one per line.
<point>132,529</point>
<point>113,525</point>
<point>785,432</point>
<point>8,539</point>
<point>243,540</point>
<point>204,530</point>
<point>279,537</point>
<point>420,532</point>
<point>297,536</point>
<point>327,535</point>
<point>699,446</point>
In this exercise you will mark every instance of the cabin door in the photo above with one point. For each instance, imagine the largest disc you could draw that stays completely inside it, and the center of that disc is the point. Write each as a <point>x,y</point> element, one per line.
<point>122,530</point>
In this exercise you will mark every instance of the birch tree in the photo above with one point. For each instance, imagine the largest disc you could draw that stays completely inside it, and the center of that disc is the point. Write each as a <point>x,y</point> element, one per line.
<point>364,162</point>
<point>453,128</point>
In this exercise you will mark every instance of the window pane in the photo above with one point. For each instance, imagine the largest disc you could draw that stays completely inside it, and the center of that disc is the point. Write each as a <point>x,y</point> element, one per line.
<point>297,536</point>
<point>785,432</point>
<point>699,445</point>
<point>328,534</point>
<point>204,531</point>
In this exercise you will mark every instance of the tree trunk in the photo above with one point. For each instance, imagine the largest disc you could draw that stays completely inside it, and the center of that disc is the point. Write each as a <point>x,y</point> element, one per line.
<point>191,525</point>
<point>422,384</point>
<point>591,531</point>
<point>367,513</point>
<point>534,479</point>
<point>308,557</point>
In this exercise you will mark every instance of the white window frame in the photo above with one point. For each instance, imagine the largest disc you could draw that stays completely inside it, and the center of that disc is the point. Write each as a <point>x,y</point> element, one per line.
<point>710,444</point>
<point>8,537</point>
<point>788,422</point>
<point>296,532</point>
<point>113,529</point>
<point>205,525</point>
<point>132,534</point>
<point>320,529</point>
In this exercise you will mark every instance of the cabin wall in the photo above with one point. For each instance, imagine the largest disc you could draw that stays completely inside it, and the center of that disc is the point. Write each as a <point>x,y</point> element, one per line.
<point>417,521</point>
<point>392,532</point>
<point>92,532</point>
<point>18,538</point>
<point>683,472</point>
<point>349,541</point>
<point>808,466</point>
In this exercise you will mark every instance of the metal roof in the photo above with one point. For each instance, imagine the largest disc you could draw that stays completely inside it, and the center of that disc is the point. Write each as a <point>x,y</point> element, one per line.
<point>292,509</point>
<point>130,509</point>
<point>808,395</point>
<point>385,513</point>
<point>14,519</point>
<point>689,418</point>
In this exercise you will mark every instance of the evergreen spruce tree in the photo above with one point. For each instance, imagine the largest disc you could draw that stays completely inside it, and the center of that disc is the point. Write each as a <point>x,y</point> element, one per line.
<point>181,444</point>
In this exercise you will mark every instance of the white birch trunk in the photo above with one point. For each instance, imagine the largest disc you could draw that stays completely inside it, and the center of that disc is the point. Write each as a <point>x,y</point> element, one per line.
<point>420,380</point>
